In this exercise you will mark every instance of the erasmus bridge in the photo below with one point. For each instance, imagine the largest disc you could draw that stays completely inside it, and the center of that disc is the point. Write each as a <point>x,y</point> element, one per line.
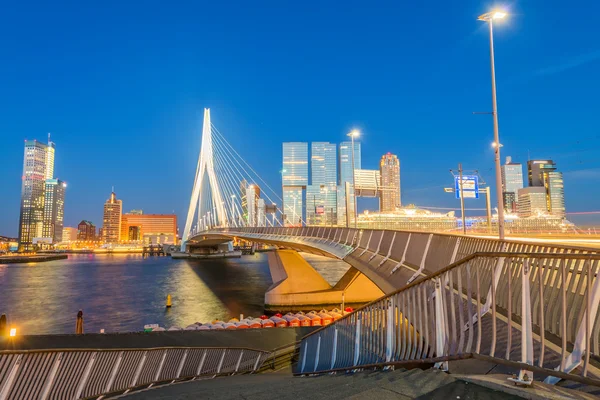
<point>526,310</point>
<point>532,306</point>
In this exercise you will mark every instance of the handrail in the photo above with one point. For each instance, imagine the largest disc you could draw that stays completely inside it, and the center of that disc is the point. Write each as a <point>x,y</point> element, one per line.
<point>98,350</point>
<point>474,306</point>
<point>443,234</point>
<point>83,373</point>
<point>458,263</point>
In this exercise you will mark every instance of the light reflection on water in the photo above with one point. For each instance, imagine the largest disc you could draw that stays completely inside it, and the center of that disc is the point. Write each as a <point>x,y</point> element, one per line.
<point>121,293</point>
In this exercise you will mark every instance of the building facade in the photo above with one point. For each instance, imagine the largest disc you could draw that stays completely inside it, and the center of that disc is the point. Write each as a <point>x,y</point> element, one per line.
<point>69,234</point>
<point>512,182</point>
<point>390,194</point>
<point>261,213</point>
<point>38,165</point>
<point>149,228</point>
<point>294,177</point>
<point>345,161</point>
<point>252,196</point>
<point>321,194</point>
<point>86,231</point>
<point>543,173</point>
<point>54,209</point>
<point>111,223</point>
<point>532,202</point>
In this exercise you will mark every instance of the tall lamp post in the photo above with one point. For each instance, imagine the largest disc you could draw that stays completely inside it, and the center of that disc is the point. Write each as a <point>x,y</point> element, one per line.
<point>489,18</point>
<point>353,134</point>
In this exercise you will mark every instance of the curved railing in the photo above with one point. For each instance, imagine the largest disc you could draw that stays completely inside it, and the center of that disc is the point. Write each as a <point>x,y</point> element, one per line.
<point>537,312</point>
<point>89,373</point>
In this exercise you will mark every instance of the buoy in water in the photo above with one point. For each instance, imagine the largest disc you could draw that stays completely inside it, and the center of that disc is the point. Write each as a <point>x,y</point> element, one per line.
<point>168,300</point>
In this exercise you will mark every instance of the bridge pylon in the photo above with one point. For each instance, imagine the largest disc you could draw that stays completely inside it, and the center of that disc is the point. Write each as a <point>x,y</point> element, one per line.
<point>210,199</point>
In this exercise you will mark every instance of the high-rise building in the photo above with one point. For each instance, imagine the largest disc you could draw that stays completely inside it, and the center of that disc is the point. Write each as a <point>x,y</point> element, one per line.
<point>38,165</point>
<point>293,205</point>
<point>321,194</point>
<point>389,196</point>
<point>512,181</point>
<point>54,209</point>
<point>261,214</point>
<point>150,228</point>
<point>323,164</point>
<point>69,234</point>
<point>532,201</point>
<point>86,231</point>
<point>294,176</point>
<point>111,226</point>
<point>542,173</point>
<point>345,155</point>
<point>252,196</point>
<point>244,200</point>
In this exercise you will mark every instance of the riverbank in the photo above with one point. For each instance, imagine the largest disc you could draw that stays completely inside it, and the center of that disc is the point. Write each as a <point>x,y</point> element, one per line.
<point>31,258</point>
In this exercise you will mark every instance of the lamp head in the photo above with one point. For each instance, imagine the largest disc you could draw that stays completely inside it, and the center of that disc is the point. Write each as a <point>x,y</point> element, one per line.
<point>496,14</point>
<point>354,133</point>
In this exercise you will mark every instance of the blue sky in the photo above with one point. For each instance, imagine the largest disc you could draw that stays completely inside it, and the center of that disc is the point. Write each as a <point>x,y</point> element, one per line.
<point>122,87</point>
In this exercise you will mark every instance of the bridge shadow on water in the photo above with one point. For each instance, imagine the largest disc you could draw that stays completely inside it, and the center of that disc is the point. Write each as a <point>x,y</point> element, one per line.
<point>239,283</point>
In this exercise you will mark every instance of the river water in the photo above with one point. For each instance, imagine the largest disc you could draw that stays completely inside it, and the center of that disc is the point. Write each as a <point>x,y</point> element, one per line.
<point>122,293</point>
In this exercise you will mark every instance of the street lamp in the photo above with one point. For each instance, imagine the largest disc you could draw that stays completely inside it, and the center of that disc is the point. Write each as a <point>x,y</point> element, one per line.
<point>489,18</point>
<point>354,133</point>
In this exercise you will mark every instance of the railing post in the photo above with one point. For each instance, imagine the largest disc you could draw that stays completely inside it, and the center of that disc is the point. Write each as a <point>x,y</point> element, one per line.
<point>525,376</point>
<point>221,361</point>
<point>51,377</point>
<point>239,361</point>
<point>334,350</point>
<point>138,370</point>
<point>357,341</point>
<point>113,374</point>
<point>390,325</point>
<point>185,353</point>
<point>422,265</point>
<point>160,366</point>
<point>257,361</point>
<point>304,356</point>
<point>583,333</point>
<point>10,379</point>
<point>199,371</point>
<point>441,329</point>
<point>86,375</point>
<point>318,352</point>
<point>497,273</point>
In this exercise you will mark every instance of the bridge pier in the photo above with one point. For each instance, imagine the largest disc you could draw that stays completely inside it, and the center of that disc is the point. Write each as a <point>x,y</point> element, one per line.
<point>298,286</point>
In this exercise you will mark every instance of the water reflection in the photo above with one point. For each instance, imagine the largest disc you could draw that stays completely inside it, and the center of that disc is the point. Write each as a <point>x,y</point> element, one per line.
<point>123,292</point>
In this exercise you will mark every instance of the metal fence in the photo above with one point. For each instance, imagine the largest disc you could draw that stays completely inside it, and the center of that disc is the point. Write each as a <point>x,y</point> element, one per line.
<point>84,373</point>
<point>392,259</point>
<point>538,312</point>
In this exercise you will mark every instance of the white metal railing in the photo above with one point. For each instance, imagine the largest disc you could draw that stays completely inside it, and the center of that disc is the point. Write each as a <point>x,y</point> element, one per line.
<point>492,306</point>
<point>84,373</point>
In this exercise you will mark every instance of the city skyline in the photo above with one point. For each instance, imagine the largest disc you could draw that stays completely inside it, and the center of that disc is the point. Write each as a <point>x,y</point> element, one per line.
<point>393,113</point>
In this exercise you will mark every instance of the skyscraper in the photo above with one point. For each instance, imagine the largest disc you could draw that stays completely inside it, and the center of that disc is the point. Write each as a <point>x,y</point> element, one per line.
<point>294,176</point>
<point>111,227</point>
<point>345,155</point>
<point>389,196</point>
<point>542,173</point>
<point>252,196</point>
<point>261,214</point>
<point>321,194</point>
<point>345,176</point>
<point>532,201</point>
<point>244,200</point>
<point>38,165</point>
<point>512,181</point>
<point>54,209</point>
